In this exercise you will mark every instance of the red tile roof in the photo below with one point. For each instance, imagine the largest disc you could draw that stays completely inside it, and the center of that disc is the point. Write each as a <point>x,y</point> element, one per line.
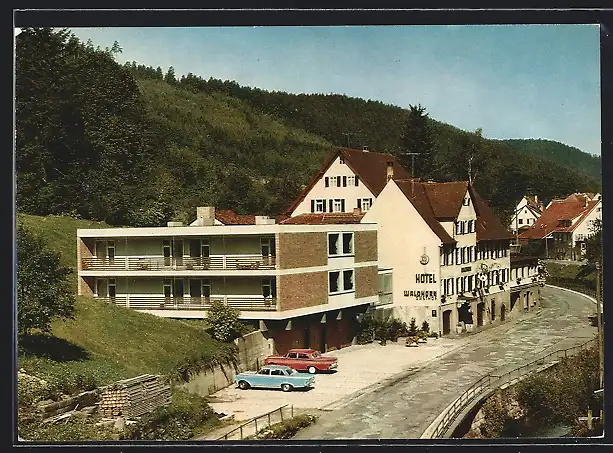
<point>370,167</point>
<point>440,201</point>
<point>324,218</point>
<point>229,217</point>
<point>418,196</point>
<point>572,207</point>
<point>534,205</point>
<point>489,227</point>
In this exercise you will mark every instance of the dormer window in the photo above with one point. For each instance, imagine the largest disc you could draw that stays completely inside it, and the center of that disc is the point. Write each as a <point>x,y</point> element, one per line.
<point>341,160</point>
<point>466,201</point>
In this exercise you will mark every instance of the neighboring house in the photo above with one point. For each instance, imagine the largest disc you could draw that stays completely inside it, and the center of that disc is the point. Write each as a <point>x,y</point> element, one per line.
<point>448,252</point>
<point>349,179</point>
<point>527,212</point>
<point>304,282</point>
<point>525,283</point>
<point>562,229</point>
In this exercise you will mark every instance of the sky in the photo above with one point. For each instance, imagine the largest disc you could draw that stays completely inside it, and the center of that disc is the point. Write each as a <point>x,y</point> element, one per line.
<point>512,81</point>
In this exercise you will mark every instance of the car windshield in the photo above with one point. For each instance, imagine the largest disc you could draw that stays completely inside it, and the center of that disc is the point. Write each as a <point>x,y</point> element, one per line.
<point>292,371</point>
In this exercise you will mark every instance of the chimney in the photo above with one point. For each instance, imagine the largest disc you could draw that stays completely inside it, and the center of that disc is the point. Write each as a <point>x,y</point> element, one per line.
<point>536,199</point>
<point>205,215</point>
<point>390,170</point>
<point>365,148</point>
<point>264,220</point>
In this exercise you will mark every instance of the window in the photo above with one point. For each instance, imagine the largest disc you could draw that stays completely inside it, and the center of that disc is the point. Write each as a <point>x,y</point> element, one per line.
<point>458,227</point>
<point>292,355</point>
<point>327,182</point>
<point>338,181</point>
<point>277,372</point>
<point>110,249</point>
<point>357,180</point>
<point>348,280</point>
<point>434,313</point>
<point>466,201</point>
<point>521,221</point>
<point>302,356</point>
<point>341,281</point>
<point>265,371</point>
<point>347,243</point>
<point>335,247</point>
<point>338,205</point>
<point>333,243</point>
<point>364,204</point>
<point>112,289</point>
<point>269,288</point>
<point>351,181</point>
<point>167,290</point>
<point>267,246</point>
<point>344,181</point>
<point>341,160</point>
<point>334,278</point>
<point>318,205</point>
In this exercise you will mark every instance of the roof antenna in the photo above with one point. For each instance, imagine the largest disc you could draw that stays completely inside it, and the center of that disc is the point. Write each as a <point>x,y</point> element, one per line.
<point>412,167</point>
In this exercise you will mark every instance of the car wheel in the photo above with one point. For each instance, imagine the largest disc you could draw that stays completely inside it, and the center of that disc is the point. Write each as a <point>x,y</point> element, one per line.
<point>286,387</point>
<point>312,370</point>
<point>244,385</point>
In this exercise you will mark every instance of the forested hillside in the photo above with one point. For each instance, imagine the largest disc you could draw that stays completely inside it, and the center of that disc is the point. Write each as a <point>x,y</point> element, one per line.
<point>567,156</point>
<point>130,145</point>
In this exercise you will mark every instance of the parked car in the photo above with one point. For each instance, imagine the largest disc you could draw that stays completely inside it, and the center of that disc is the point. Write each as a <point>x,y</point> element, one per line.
<point>304,360</point>
<point>274,376</point>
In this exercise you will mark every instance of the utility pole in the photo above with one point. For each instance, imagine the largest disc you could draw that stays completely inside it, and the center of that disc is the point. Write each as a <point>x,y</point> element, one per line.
<point>599,317</point>
<point>348,134</point>
<point>412,167</point>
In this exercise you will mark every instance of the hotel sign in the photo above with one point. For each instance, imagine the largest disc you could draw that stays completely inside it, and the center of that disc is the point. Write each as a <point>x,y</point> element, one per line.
<point>420,294</point>
<point>425,278</point>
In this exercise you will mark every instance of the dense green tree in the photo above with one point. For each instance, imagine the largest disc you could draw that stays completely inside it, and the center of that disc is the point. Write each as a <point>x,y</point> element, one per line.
<point>418,138</point>
<point>170,76</point>
<point>593,251</point>
<point>43,291</point>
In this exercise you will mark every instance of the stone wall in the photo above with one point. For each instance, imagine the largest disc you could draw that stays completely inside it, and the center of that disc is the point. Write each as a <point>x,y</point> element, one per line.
<point>252,349</point>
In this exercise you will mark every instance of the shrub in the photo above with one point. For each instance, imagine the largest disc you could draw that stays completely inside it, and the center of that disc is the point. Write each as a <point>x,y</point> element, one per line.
<point>412,331</point>
<point>43,291</point>
<point>72,430</point>
<point>425,327</point>
<point>223,321</point>
<point>286,429</point>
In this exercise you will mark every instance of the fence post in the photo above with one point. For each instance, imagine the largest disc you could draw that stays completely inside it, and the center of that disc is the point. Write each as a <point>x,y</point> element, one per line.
<point>292,411</point>
<point>281,412</point>
<point>241,427</point>
<point>269,419</point>
<point>255,420</point>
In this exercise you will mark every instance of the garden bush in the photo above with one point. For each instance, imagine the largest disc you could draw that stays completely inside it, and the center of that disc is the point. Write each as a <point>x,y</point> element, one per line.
<point>286,429</point>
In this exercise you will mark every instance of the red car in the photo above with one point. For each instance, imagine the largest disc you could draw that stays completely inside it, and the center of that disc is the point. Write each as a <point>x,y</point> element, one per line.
<point>303,360</point>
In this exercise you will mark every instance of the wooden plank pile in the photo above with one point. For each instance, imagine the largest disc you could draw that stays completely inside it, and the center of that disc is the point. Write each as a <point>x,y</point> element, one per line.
<point>134,397</point>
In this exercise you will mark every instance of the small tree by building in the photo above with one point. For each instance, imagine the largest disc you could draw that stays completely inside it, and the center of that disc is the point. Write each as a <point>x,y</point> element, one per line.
<point>425,327</point>
<point>43,290</point>
<point>412,327</point>
<point>224,323</point>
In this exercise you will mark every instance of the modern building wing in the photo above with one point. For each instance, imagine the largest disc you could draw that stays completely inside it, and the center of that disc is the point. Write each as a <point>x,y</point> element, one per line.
<point>293,280</point>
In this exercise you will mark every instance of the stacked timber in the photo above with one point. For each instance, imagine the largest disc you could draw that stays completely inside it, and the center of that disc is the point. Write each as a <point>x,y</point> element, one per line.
<point>134,397</point>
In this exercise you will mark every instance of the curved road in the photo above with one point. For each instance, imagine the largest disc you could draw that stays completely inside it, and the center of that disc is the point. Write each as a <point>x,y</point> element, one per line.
<point>406,408</point>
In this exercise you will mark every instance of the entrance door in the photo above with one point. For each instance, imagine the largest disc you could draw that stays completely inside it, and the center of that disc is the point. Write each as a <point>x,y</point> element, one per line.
<point>323,340</point>
<point>446,322</point>
<point>493,308</point>
<point>177,288</point>
<point>480,310</point>
<point>101,287</point>
<point>503,312</point>
<point>177,252</point>
<point>307,336</point>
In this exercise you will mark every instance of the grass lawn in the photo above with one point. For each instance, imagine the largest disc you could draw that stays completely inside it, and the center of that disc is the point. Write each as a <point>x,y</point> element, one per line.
<point>572,271</point>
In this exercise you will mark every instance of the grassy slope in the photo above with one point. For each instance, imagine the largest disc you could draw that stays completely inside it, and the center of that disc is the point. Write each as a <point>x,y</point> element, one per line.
<point>118,342</point>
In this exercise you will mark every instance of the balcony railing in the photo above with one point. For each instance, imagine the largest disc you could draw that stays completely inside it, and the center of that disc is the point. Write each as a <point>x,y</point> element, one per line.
<point>223,262</point>
<point>192,303</point>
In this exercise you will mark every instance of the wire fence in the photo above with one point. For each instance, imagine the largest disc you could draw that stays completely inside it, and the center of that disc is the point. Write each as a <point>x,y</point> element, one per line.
<point>253,426</point>
<point>493,381</point>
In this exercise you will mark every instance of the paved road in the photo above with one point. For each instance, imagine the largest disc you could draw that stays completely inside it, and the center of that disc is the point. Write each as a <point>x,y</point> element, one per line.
<point>407,407</point>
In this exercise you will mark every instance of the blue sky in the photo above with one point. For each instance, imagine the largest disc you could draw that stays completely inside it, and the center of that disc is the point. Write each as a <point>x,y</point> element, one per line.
<point>513,81</point>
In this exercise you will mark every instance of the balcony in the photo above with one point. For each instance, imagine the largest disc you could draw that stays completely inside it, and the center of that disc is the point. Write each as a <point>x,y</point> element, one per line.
<point>222,262</point>
<point>243,303</point>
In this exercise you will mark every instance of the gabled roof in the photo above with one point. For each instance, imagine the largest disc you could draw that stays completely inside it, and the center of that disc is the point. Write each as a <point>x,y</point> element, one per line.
<point>489,227</point>
<point>575,206</point>
<point>370,167</point>
<point>534,205</point>
<point>324,218</point>
<point>418,196</point>
<point>442,201</point>
<point>229,217</point>
<point>446,197</point>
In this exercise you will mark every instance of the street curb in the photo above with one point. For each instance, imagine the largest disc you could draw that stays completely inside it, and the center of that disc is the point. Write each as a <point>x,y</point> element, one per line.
<point>574,292</point>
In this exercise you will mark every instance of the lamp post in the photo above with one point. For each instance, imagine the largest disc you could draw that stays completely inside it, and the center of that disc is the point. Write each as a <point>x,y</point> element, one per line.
<point>599,318</point>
